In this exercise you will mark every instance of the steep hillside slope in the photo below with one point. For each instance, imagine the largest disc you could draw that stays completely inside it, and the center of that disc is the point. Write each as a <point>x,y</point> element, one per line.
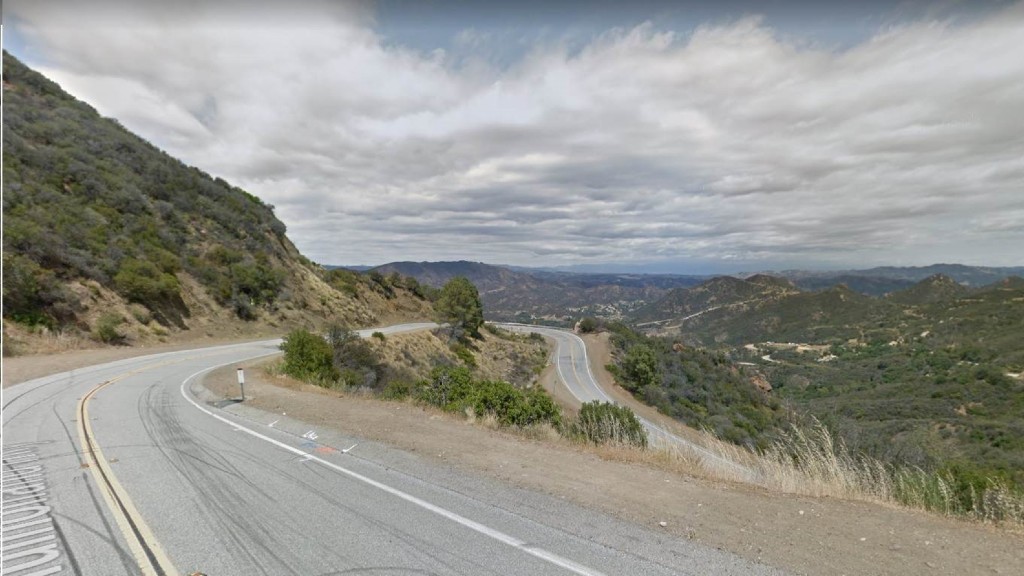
<point>108,237</point>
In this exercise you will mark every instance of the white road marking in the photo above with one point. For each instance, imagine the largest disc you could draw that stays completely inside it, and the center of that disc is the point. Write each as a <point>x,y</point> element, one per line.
<point>27,520</point>
<point>349,449</point>
<point>274,422</point>
<point>655,432</point>
<point>512,541</point>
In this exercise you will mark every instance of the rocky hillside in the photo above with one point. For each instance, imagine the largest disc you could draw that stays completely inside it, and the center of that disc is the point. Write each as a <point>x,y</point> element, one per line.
<point>108,238</point>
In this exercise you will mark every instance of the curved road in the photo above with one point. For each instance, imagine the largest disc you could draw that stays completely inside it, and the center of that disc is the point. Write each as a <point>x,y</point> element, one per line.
<point>149,475</point>
<point>573,368</point>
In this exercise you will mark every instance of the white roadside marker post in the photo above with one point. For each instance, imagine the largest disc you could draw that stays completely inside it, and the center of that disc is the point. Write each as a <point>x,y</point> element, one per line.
<point>241,382</point>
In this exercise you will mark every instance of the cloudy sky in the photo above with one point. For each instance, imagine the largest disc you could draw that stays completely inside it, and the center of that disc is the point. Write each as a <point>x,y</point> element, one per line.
<point>752,135</point>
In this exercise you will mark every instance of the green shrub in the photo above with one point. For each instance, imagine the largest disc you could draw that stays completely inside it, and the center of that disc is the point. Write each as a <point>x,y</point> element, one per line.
<point>397,390</point>
<point>242,307</point>
<point>458,304</point>
<point>454,389</point>
<point>603,423</point>
<point>141,314</point>
<point>380,336</point>
<point>142,282</point>
<point>107,328</point>
<point>465,354</point>
<point>589,325</point>
<point>640,368</point>
<point>309,357</point>
<point>355,359</point>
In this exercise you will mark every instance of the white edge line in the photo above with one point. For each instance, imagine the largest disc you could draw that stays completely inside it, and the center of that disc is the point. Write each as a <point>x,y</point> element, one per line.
<point>472,525</point>
<point>651,426</point>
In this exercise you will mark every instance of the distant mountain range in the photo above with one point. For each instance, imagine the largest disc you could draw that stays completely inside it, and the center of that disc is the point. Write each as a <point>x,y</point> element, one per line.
<point>540,294</point>
<point>522,295</point>
<point>733,311</point>
<point>885,279</point>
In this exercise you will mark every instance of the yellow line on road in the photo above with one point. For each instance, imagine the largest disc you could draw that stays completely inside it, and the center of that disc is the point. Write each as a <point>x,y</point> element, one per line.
<point>144,546</point>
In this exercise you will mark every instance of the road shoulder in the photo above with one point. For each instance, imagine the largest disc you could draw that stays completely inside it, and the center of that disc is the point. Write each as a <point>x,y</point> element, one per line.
<point>799,534</point>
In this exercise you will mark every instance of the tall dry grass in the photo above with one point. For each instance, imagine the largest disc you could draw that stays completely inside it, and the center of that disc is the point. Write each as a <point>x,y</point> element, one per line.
<point>814,462</point>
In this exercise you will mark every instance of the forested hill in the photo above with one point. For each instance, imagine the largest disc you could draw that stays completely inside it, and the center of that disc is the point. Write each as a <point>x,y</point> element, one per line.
<point>111,238</point>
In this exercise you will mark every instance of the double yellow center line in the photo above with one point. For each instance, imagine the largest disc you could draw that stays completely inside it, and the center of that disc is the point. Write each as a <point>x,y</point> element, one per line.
<point>152,559</point>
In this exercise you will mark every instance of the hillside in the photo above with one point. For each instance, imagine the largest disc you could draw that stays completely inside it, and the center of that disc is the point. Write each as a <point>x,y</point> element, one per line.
<point>107,238</point>
<point>929,376</point>
<point>722,296</point>
<point>932,289</point>
<point>837,312</point>
<point>541,296</point>
<point>885,279</point>
<point>869,285</point>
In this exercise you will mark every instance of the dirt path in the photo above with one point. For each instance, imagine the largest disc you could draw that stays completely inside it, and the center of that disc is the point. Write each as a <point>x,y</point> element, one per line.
<point>800,534</point>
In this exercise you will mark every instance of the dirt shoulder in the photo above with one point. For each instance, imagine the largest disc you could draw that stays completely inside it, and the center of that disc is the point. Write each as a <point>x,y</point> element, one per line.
<point>599,355</point>
<point>799,534</point>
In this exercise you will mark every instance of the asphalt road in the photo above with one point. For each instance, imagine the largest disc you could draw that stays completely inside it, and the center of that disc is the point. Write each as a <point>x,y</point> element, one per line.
<point>573,366</point>
<point>225,489</point>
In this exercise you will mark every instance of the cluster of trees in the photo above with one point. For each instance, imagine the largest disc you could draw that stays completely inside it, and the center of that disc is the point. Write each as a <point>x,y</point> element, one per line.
<point>957,408</point>
<point>704,389</point>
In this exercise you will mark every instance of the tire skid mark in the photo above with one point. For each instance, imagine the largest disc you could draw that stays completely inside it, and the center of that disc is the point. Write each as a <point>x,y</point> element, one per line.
<point>147,551</point>
<point>204,468</point>
<point>485,530</point>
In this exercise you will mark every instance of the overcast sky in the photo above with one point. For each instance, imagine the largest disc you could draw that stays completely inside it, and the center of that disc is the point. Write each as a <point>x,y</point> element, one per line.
<point>754,135</point>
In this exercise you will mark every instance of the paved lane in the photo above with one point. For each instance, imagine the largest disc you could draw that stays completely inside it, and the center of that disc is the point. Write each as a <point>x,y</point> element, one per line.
<point>573,367</point>
<point>227,489</point>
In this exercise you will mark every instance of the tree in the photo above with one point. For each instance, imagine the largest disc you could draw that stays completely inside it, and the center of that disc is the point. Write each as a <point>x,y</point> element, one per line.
<point>459,305</point>
<point>354,358</point>
<point>589,324</point>
<point>640,368</point>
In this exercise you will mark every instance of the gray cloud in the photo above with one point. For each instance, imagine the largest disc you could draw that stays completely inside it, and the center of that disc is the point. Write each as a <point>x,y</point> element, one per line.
<point>729,143</point>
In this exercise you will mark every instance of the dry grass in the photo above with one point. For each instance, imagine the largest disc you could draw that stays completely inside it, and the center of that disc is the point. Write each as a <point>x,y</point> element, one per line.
<point>808,462</point>
<point>414,354</point>
<point>813,462</point>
